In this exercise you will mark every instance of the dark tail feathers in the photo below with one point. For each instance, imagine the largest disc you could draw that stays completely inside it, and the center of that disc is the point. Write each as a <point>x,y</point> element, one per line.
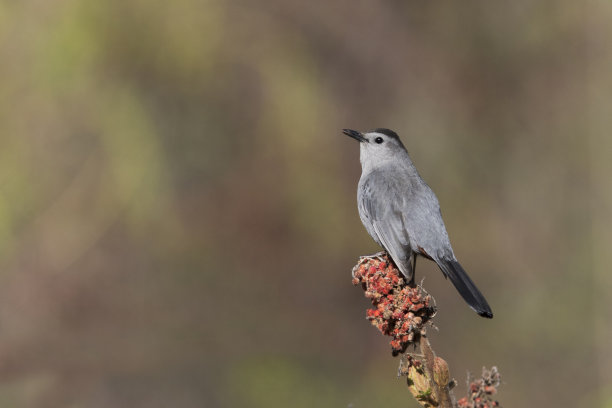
<point>466,288</point>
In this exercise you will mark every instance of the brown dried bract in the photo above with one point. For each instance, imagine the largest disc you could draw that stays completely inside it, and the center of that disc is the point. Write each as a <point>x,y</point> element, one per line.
<point>481,391</point>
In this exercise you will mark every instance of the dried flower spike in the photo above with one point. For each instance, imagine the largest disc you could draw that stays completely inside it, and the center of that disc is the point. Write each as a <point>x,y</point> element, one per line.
<point>399,311</point>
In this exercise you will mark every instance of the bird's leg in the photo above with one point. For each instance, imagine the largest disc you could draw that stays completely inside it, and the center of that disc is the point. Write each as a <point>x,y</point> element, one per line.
<point>379,255</point>
<point>411,283</point>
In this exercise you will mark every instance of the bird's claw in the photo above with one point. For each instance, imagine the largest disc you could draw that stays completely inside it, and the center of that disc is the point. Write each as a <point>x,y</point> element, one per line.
<point>379,256</point>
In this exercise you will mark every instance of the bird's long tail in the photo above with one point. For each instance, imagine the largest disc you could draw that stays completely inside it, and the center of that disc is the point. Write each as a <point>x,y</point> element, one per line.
<point>466,288</point>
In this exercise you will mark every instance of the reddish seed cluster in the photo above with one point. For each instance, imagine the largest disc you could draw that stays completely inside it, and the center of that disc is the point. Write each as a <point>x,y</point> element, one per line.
<point>399,311</point>
<point>481,391</point>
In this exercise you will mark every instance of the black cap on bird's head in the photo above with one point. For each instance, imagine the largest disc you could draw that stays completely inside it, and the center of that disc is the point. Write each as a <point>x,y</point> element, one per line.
<point>386,132</point>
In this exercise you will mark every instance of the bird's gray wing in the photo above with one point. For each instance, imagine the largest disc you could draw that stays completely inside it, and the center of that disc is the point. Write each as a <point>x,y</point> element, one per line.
<point>423,220</point>
<point>380,208</point>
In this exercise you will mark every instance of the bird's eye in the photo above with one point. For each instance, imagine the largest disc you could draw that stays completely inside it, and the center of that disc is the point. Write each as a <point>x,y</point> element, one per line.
<point>379,140</point>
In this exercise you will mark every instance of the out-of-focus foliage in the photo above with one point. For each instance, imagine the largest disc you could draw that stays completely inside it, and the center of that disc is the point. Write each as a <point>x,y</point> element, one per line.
<point>174,189</point>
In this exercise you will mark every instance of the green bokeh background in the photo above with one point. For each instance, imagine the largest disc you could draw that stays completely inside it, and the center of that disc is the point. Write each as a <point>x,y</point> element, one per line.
<point>177,203</point>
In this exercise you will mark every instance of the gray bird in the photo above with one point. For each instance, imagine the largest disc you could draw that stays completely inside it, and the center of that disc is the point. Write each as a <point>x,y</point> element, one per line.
<point>402,214</point>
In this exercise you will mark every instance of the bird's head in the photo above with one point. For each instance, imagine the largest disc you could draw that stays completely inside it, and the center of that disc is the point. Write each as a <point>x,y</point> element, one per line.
<point>377,146</point>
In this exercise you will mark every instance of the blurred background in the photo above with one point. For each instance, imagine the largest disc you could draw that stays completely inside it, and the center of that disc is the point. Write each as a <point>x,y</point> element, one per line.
<point>178,218</point>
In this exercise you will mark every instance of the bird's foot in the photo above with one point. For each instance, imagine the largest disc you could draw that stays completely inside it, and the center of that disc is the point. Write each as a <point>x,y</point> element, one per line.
<point>379,255</point>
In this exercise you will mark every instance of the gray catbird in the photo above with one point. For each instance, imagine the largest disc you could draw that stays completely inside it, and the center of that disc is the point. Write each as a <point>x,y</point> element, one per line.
<point>402,214</point>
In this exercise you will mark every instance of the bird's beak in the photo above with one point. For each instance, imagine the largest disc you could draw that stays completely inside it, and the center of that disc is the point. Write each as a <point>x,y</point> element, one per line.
<point>355,135</point>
